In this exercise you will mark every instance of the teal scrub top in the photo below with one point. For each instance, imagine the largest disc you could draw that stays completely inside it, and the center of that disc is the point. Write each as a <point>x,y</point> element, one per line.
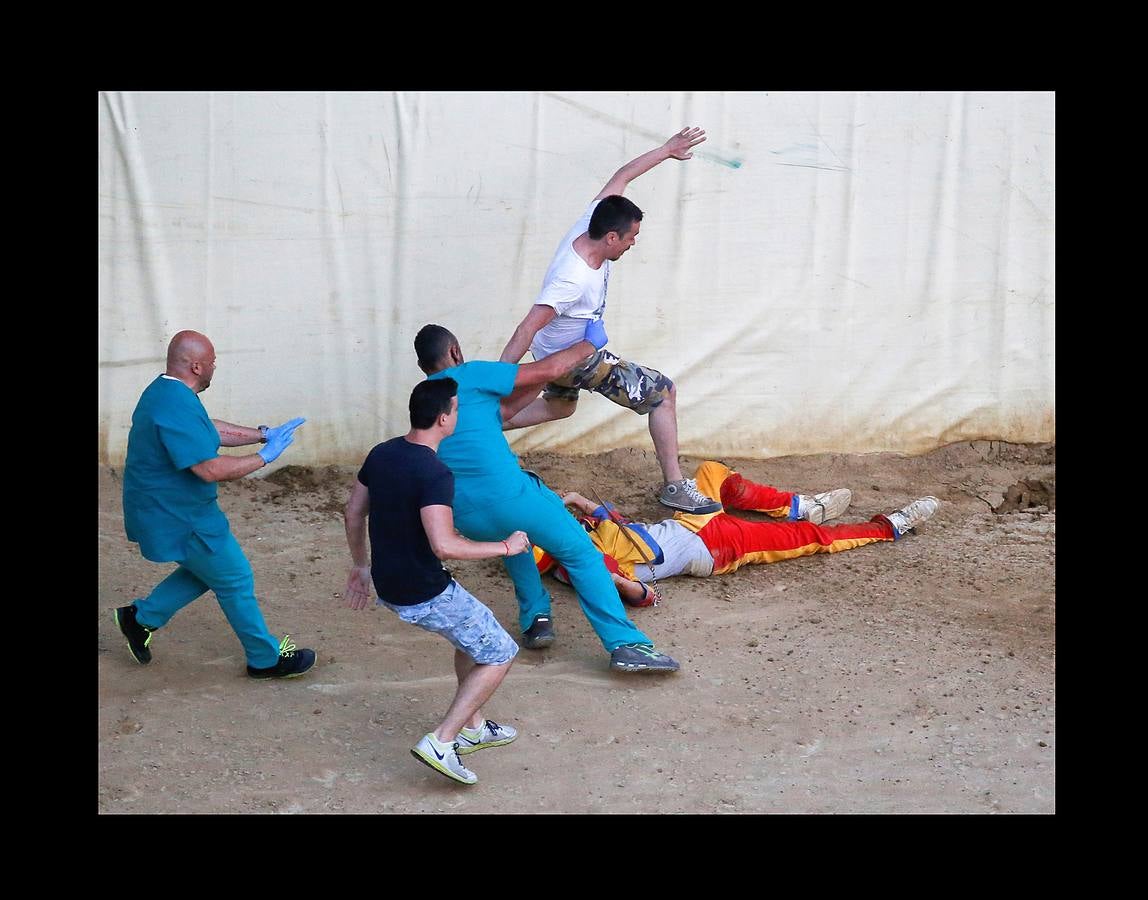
<point>477,453</point>
<point>165,503</point>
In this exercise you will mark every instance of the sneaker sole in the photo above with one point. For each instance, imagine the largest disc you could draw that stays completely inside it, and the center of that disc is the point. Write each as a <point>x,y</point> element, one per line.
<point>434,764</point>
<point>131,649</point>
<point>278,677</point>
<point>695,510</point>
<point>462,751</point>
<point>641,667</point>
<point>270,676</point>
<point>275,677</point>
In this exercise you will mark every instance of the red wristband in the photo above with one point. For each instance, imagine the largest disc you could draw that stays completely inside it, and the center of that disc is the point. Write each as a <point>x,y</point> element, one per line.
<point>507,546</point>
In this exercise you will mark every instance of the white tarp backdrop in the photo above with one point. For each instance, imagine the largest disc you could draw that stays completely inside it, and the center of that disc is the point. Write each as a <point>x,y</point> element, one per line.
<point>831,272</point>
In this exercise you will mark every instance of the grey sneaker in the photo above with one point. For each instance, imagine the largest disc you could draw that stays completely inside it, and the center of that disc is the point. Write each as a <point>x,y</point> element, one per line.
<point>139,636</point>
<point>684,495</point>
<point>909,517</point>
<point>540,633</point>
<point>641,658</point>
<point>824,506</point>
<point>442,758</point>
<point>490,734</point>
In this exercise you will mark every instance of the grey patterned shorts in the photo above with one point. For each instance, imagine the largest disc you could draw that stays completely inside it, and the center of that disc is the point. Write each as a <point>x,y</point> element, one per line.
<point>464,620</point>
<point>635,387</point>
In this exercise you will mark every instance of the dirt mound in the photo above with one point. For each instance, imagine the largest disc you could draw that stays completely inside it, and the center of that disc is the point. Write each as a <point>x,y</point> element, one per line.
<point>307,479</point>
<point>1028,494</point>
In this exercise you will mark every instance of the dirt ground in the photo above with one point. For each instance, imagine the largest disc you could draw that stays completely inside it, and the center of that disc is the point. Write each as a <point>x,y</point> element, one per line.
<point>916,677</point>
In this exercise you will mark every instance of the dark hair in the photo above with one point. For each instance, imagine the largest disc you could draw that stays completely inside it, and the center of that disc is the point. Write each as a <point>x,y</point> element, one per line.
<point>431,399</point>
<point>614,213</point>
<point>431,344</point>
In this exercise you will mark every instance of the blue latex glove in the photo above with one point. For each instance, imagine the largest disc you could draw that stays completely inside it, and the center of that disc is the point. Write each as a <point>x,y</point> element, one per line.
<point>288,427</point>
<point>277,444</point>
<point>603,512</point>
<point>596,333</point>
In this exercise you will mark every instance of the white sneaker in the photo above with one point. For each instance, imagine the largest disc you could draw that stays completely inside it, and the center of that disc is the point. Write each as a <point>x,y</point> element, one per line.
<point>684,495</point>
<point>490,734</point>
<point>909,517</point>
<point>442,758</point>
<point>824,506</point>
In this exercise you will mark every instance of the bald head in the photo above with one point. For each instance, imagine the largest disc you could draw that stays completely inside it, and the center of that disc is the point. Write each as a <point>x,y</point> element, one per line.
<point>191,359</point>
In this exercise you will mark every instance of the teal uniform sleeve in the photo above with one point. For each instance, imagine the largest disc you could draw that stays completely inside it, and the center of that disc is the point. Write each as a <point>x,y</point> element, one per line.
<point>187,435</point>
<point>494,377</point>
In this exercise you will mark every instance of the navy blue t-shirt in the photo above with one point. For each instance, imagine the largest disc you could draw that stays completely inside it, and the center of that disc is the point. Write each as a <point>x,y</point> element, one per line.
<point>402,478</point>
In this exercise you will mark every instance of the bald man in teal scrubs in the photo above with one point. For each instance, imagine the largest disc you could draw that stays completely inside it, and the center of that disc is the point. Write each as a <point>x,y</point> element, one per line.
<point>171,509</point>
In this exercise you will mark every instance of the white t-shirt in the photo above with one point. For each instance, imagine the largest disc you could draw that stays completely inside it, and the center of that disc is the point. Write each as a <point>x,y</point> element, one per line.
<point>575,292</point>
<point>682,550</point>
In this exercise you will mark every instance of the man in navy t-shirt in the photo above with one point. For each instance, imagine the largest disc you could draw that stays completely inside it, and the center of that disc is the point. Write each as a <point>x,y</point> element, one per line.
<point>402,500</point>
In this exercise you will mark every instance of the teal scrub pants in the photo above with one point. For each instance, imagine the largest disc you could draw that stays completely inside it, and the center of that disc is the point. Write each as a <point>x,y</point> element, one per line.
<point>539,512</point>
<point>227,572</point>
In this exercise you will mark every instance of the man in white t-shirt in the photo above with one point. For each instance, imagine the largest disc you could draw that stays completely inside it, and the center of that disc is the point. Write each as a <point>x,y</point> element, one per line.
<point>574,291</point>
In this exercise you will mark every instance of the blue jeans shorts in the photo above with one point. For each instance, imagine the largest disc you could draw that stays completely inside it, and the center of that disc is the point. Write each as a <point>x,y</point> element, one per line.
<point>464,620</point>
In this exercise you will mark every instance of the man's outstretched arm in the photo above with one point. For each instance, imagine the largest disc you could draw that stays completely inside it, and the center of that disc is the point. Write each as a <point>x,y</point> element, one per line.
<point>677,147</point>
<point>538,318</point>
<point>538,373</point>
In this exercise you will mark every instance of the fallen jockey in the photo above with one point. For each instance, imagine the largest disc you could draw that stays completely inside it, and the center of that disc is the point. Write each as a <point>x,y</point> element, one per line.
<point>719,543</point>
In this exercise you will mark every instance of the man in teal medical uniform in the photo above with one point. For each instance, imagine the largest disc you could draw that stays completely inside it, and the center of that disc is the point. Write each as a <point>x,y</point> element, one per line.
<point>171,510</point>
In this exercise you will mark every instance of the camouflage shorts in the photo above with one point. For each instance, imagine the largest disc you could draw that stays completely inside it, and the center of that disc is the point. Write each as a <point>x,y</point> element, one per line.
<point>635,387</point>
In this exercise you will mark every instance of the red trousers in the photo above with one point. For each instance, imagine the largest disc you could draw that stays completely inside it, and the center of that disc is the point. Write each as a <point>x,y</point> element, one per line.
<point>734,542</point>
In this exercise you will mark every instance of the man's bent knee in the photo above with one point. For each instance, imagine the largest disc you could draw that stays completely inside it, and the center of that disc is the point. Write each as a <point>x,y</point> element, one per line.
<point>561,408</point>
<point>638,388</point>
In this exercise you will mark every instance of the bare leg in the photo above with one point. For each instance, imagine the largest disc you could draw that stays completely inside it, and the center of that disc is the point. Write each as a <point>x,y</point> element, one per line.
<point>515,401</point>
<point>539,411</point>
<point>475,685</point>
<point>664,431</point>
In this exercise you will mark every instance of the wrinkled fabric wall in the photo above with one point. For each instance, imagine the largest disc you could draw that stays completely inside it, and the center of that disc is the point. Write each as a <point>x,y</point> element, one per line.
<point>831,272</point>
